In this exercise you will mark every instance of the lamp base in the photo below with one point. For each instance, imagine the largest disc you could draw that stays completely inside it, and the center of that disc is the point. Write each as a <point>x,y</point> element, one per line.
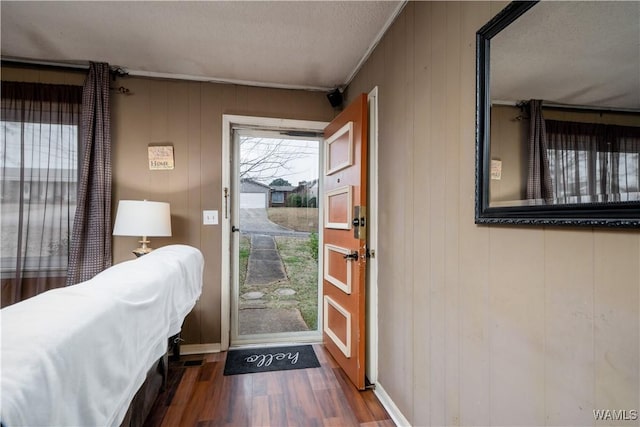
<point>143,249</point>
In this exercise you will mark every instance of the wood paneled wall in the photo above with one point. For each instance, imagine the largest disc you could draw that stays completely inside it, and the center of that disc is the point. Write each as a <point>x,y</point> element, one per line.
<point>187,115</point>
<point>484,325</point>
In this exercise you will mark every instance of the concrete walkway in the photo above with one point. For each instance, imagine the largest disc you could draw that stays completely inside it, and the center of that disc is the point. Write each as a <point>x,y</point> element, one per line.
<point>265,268</point>
<point>254,221</point>
<point>270,321</point>
<point>257,221</point>
<point>265,265</point>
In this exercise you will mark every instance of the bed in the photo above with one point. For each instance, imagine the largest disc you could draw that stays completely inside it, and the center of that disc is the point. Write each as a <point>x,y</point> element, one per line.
<point>80,355</point>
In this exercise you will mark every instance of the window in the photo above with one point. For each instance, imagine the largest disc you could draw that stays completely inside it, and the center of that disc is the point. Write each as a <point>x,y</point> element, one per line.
<point>277,197</point>
<point>39,170</point>
<point>599,162</point>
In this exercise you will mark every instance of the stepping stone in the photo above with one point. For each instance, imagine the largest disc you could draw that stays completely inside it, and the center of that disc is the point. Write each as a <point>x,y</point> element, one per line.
<point>251,304</point>
<point>285,292</point>
<point>270,320</point>
<point>253,295</point>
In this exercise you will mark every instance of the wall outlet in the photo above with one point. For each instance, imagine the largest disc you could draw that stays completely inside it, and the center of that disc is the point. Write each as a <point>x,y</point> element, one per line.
<point>209,217</point>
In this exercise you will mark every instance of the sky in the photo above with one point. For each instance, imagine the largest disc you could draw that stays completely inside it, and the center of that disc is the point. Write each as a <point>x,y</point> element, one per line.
<point>57,150</point>
<point>265,159</point>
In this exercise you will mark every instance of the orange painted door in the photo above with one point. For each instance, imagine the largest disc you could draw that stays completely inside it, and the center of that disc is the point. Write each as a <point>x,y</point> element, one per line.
<point>344,228</point>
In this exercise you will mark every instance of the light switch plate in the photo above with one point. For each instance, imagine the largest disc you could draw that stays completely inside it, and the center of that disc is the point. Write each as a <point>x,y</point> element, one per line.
<point>209,217</point>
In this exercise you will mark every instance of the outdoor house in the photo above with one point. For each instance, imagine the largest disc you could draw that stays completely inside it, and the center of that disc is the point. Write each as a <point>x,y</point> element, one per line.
<point>481,312</point>
<point>254,194</point>
<point>280,195</point>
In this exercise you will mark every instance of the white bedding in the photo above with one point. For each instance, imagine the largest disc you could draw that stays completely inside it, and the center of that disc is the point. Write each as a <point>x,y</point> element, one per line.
<point>76,356</point>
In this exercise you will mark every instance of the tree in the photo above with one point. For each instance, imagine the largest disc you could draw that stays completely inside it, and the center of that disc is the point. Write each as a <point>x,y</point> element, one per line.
<point>280,182</point>
<point>263,159</point>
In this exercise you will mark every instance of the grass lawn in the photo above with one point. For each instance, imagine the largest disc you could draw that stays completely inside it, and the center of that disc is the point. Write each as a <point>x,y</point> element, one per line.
<point>245,248</point>
<point>301,268</point>
<point>298,219</point>
<point>302,271</point>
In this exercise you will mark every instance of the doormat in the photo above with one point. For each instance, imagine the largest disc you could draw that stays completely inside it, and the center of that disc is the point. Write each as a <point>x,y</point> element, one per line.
<point>251,360</point>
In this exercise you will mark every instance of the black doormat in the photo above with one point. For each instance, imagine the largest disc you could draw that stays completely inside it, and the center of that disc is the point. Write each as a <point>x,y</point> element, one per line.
<point>247,361</point>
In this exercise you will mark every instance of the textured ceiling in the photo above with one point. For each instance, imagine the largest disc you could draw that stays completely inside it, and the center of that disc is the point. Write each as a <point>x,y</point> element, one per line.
<point>581,53</point>
<point>301,44</point>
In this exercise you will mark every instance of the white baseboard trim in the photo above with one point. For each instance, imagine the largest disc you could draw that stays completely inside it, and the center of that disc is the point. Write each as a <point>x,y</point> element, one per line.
<point>391,407</point>
<point>200,348</point>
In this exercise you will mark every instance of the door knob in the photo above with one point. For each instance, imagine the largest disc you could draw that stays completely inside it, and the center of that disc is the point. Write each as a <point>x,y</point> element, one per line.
<point>234,229</point>
<point>352,256</point>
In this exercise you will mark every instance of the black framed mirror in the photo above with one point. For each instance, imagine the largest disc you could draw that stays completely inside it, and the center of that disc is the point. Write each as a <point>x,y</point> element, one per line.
<point>558,115</point>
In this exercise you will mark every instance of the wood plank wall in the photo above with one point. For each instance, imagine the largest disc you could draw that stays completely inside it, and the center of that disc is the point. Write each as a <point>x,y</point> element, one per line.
<point>484,325</point>
<point>187,115</point>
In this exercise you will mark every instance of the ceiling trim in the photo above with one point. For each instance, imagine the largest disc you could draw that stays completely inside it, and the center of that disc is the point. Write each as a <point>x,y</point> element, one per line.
<point>83,66</point>
<point>173,76</point>
<point>376,41</point>
<point>153,74</point>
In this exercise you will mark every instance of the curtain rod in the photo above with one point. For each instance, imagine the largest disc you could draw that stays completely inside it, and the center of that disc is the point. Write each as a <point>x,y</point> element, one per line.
<point>67,66</point>
<point>552,105</point>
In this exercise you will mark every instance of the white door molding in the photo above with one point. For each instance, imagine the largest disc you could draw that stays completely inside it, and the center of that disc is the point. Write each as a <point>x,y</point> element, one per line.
<point>229,122</point>
<point>372,242</point>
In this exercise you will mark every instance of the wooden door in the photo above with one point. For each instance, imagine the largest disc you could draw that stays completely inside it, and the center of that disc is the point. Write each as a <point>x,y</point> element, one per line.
<point>344,228</point>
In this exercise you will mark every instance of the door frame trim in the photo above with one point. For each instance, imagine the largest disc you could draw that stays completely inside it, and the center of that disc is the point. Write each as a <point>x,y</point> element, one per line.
<point>229,121</point>
<point>371,364</point>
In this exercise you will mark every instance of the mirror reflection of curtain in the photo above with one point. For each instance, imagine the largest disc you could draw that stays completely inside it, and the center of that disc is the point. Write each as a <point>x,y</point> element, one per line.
<point>599,161</point>
<point>38,171</point>
<point>538,178</point>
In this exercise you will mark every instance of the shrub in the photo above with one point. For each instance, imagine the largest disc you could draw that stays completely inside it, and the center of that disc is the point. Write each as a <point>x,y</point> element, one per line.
<point>313,245</point>
<point>294,201</point>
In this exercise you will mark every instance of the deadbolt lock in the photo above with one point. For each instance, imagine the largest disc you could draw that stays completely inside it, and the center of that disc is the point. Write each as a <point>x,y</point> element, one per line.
<point>360,222</point>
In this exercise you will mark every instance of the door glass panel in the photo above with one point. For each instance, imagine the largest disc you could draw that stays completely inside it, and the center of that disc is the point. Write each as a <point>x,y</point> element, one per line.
<point>276,290</point>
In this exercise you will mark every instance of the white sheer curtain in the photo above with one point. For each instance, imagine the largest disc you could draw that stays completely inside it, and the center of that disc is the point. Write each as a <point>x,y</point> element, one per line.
<point>38,171</point>
<point>593,162</point>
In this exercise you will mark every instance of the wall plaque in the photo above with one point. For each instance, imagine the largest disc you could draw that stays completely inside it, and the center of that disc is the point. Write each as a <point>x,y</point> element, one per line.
<point>160,157</point>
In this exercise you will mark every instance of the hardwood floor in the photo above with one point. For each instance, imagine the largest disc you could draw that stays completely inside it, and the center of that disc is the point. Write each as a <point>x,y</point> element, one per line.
<point>202,396</point>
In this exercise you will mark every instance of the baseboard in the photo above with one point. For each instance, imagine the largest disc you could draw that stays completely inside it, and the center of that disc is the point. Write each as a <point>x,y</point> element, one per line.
<point>391,407</point>
<point>199,348</point>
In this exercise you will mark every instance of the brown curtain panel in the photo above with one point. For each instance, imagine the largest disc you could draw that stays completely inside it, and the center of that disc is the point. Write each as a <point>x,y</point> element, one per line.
<point>539,177</point>
<point>38,185</point>
<point>90,250</point>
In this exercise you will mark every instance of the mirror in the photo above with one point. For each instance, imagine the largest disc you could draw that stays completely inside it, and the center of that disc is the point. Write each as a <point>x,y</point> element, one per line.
<point>558,115</point>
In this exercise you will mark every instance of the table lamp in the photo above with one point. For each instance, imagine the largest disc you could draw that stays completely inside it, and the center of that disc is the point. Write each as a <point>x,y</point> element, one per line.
<point>142,218</point>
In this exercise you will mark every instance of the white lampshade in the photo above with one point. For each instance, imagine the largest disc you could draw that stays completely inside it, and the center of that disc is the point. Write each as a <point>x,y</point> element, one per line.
<point>142,218</point>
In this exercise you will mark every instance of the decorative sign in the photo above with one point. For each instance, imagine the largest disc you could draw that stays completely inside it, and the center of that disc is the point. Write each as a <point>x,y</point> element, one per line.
<point>160,157</point>
<point>496,169</point>
<point>266,359</point>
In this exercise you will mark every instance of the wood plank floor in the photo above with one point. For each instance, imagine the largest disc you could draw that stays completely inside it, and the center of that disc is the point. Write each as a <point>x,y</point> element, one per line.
<point>202,396</point>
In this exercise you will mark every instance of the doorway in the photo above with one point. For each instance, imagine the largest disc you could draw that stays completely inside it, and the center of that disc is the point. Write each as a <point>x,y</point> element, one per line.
<point>234,125</point>
<point>274,246</point>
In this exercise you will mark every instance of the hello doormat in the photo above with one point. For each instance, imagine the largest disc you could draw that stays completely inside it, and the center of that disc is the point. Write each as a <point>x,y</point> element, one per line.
<point>246,361</point>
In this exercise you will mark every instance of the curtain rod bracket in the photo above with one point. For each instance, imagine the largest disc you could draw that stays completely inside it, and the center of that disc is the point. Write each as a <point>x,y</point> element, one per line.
<point>118,72</point>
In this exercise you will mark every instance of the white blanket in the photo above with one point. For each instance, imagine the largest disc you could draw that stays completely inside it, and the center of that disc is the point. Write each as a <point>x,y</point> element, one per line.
<point>76,356</point>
